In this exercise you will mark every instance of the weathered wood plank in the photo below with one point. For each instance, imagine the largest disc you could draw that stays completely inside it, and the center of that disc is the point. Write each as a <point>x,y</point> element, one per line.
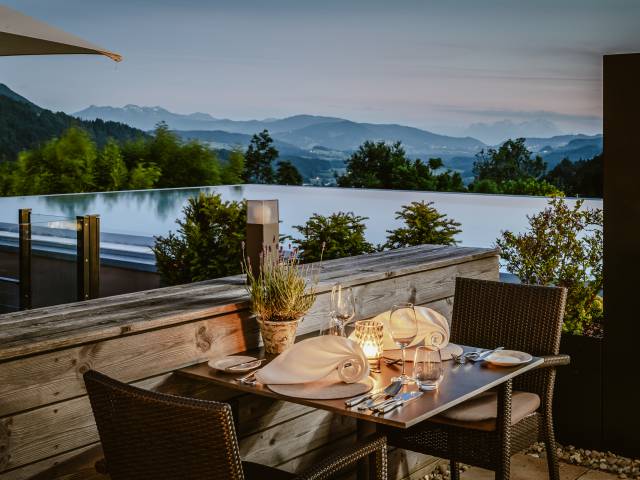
<point>40,329</point>
<point>73,465</point>
<point>51,377</point>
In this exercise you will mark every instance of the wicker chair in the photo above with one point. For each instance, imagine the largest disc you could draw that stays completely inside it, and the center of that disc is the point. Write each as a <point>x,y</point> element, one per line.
<point>154,436</point>
<point>520,317</point>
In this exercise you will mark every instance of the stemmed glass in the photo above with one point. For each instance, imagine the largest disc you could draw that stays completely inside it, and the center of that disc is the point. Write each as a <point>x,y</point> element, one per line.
<point>403,327</point>
<point>343,307</point>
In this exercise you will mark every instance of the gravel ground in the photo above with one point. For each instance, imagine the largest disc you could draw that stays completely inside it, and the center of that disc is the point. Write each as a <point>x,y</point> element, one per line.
<point>604,461</point>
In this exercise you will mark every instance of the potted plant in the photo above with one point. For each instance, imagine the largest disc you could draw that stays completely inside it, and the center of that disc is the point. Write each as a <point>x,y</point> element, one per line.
<point>564,247</point>
<point>282,291</point>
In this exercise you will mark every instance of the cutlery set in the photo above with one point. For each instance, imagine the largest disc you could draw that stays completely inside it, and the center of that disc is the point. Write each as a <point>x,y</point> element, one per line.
<point>476,356</point>
<point>382,400</point>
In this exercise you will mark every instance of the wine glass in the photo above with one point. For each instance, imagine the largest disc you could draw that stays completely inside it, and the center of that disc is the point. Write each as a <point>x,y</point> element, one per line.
<point>403,327</point>
<point>343,307</point>
<point>427,367</point>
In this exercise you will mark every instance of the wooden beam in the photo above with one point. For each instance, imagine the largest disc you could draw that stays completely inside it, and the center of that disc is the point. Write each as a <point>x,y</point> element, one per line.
<point>621,390</point>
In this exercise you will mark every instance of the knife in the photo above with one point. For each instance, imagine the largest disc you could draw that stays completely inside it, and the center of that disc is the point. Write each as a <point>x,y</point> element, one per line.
<point>398,400</point>
<point>390,389</point>
<point>388,393</point>
<point>485,354</point>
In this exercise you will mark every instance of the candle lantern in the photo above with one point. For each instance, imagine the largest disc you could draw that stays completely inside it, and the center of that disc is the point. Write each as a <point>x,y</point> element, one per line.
<point>369,335</point>
<point>262,229</point>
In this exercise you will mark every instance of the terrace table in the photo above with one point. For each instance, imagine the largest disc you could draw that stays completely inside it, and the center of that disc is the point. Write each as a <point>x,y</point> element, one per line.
<point>460,383</point>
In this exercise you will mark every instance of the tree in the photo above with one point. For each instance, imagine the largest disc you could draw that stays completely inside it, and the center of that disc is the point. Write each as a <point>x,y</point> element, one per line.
<point>583,177</point>
<point>208,243</point>
<point>337,235</point>
<point>62,165</point>
<point>511,161</point>
<point>563,247</point>
<point>110,170</point>
<point>259,157</point>
<point>232,171</point>
<point>522,186</point>
<point>423,225</point>
<point>288,174</point>
<point>183,164</point>
<point>144,176</point>
<point>380,165</point>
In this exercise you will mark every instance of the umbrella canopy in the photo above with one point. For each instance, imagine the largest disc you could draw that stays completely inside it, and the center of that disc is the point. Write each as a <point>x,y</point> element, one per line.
<point>23,35</point>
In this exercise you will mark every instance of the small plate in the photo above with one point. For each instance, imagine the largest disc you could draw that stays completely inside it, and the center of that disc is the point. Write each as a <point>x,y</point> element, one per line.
<point>225,364</point>
<point>508,358</point>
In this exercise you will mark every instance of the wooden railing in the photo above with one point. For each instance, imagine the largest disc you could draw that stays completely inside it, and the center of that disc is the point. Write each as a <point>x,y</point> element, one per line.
<point>45,417</point>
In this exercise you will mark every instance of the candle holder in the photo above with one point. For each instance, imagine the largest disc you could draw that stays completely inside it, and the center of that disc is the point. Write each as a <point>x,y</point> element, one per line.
<point>369,335</point>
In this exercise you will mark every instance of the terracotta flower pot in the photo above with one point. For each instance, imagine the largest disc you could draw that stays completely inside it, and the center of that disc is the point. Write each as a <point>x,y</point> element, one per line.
<point>278,336</point>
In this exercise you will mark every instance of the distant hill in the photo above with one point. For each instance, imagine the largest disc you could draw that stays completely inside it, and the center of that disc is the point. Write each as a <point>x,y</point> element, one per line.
<point>219,139</point>
<point>24,125</point>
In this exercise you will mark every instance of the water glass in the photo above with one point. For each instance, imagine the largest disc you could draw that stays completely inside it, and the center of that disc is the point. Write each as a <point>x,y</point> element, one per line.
<point>343,308</point>
<point>428,369</point>
<point>403,328</point>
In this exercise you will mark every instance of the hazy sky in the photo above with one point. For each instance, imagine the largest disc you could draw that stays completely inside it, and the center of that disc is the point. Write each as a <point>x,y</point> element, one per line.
<point>439,64</point>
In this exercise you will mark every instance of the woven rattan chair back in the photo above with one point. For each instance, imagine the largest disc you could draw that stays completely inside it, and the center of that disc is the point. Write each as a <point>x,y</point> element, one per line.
<point>148,435</point>
<point>519,317</point>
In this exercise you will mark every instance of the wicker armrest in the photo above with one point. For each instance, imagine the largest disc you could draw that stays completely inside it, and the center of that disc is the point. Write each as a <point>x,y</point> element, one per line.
<point>350,456</point>
<point>552,361</point>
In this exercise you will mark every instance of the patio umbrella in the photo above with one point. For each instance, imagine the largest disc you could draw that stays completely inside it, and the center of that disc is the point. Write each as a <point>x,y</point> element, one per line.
<point>23,35</point>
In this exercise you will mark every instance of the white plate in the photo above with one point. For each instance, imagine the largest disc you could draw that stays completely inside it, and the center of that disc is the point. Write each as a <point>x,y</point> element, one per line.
<point>508,358</point>
<point>225,364</point>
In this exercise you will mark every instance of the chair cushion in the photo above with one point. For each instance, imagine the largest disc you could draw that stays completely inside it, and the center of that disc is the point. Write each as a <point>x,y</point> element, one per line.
<point>255,471</point>
<point>480,412</point>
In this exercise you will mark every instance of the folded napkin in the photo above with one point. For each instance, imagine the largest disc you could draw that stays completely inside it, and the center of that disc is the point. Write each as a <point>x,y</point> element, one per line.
<point>315,358</point>
<point>429,321</point>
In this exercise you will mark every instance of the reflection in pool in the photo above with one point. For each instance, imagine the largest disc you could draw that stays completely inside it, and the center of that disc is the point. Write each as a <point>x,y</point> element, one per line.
<point>153,212</point>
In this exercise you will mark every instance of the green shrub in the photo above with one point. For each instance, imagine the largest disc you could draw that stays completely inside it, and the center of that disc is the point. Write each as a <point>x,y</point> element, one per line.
<point>341,234</point>
<point>423,225</point>
<point>563,247</point>
<point>208,243</point>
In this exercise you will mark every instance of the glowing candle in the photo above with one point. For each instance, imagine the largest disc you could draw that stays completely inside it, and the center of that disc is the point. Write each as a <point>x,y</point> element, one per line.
<point>369,335</point>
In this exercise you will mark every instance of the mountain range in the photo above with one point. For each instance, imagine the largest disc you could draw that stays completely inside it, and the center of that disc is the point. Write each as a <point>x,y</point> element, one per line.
<point>302,131</point>
<point>317,145</point>
<point>24,125</point>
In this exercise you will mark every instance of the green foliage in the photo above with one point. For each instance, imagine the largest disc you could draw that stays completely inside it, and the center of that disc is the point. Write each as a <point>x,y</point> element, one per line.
<point>521,186</point>
<point>63,165</point>
<point>287,174</point>
<point>258,159</point>
<point>232,171</point>
<point>74,163</point>
<point>336,236</point>
<point>144,176</point>
<point>279,292</point>
<point>208,243</point>
<point>423,225</point>
<point>182,164</point>
<point>110,170</point>
<point>563,247</point>
<point>511,161</point>
<point>584,177</point>
<point>379,165</point>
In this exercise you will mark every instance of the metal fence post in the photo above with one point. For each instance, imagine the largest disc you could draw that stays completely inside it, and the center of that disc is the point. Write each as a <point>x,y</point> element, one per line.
<point>24,253</point>
<point>88,261</point>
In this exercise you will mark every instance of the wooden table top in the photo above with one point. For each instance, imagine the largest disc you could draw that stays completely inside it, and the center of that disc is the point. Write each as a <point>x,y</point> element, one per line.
<point>460,383</point>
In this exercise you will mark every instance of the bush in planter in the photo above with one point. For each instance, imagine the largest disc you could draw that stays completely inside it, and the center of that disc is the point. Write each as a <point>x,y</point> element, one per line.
<point>335,236</point>
<point>423,225</point>
<point>563,247</point>
<point>208,243</point>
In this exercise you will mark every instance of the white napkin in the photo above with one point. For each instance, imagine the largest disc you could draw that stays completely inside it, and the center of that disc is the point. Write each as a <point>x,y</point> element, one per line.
<point>315,358</point>
<point>429,322</point>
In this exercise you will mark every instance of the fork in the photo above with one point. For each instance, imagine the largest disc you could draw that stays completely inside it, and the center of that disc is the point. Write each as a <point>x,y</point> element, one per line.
<point>247,379</point>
